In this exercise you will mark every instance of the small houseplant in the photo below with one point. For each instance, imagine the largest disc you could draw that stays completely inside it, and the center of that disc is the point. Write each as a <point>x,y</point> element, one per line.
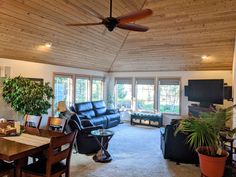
<point>27,97</point>
<point>204,135</point>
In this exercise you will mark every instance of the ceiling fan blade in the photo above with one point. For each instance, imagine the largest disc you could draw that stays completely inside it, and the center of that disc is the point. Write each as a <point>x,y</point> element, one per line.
<point>93,12</point>
<point>84,24</point>
<point>133,27</point>
<point>134,16</point>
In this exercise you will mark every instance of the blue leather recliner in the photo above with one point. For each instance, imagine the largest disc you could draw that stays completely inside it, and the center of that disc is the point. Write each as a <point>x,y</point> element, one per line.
<point>97,113</point>
<point>175,147</point>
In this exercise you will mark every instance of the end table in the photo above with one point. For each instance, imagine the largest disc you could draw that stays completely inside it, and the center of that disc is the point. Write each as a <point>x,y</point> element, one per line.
<point>102,136</point>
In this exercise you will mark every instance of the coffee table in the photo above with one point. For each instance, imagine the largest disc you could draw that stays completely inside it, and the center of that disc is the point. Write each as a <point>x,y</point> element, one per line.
<point>102,136</point>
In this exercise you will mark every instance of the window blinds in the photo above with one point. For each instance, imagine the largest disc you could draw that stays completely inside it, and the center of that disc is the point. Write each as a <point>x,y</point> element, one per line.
<point>98,78</point>
<point>169,82</point>
<point>145,81</point>
<point>124,81</point>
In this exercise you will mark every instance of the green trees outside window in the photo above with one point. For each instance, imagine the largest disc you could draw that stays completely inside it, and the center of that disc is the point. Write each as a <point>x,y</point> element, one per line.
<point>82,90</point>
<point>145,97</point>
<point>169,96</point>
<point>97,90</point>
<point>124,95</point>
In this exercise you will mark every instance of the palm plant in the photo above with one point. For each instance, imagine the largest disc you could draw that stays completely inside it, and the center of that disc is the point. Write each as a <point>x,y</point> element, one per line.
<point>206,130</point>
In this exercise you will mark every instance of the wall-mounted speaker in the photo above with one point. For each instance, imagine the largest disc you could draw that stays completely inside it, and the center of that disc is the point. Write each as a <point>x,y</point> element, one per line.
<point>228,93</point>
<point>186,90</point>
<point>5,71</point>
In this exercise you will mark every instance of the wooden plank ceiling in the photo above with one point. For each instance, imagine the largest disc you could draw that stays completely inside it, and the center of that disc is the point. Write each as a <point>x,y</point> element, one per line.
<point>181,32</point>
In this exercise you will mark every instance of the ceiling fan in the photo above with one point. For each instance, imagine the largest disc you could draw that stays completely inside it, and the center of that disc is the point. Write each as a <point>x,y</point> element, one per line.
<point>122,22</point>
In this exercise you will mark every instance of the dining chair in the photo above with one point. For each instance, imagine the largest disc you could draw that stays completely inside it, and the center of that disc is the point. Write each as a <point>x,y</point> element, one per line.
<point>56,124</point>
<point>55,165</point>
<point>32,130</point>
<point>6,169</point>
<point>32,121</point>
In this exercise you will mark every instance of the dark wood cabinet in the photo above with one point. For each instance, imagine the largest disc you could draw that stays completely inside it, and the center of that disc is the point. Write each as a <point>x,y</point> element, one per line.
<point>195,110</point>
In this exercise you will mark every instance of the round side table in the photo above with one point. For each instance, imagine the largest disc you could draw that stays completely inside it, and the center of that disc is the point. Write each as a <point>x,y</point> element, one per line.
<point>102,136</point>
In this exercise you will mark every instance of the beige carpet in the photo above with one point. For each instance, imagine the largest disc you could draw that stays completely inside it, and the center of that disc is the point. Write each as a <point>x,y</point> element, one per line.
<point>136,153</point>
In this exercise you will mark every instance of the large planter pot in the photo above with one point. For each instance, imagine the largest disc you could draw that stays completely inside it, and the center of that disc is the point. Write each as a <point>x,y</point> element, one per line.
<point>212,166</point>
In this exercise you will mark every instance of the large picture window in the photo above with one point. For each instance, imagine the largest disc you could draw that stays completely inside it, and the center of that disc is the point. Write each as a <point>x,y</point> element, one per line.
<point>63,90</point>
<point>82,89</point>
<point>123,92</point>
<point>169,96</point>
<point>73,88</point>
<point>97,89</point>
<point>145,94</point>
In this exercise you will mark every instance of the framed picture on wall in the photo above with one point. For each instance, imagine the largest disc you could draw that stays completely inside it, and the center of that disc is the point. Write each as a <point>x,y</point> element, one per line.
<point>37,80</point>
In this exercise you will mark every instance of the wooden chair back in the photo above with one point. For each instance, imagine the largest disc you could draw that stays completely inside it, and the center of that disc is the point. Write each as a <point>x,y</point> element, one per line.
<point>56,121</point>
<point>32,121</point>
<point>65,144</point>
<point>32,130</point>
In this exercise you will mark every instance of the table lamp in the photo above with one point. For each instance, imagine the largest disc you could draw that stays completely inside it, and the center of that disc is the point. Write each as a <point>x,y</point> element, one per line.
<point>61,107</point>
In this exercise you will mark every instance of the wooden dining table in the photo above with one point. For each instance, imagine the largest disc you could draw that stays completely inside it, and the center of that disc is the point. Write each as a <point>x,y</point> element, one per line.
<point>18,152</point>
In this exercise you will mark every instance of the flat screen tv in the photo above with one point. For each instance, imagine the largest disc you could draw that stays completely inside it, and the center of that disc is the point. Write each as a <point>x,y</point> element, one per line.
<point>206,91</point>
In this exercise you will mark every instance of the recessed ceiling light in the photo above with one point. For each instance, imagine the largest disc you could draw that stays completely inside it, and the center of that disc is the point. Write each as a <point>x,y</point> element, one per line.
<point>48,45</point>
<point>204,56</point>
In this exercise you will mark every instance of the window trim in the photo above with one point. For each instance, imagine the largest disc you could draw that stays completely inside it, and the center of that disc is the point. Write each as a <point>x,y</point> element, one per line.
<point>180,94</point>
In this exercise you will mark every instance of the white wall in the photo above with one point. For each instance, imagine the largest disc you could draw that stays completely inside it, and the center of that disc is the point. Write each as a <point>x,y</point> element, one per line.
<point>44,71</point>
<point>39,70</point>
<point>185,76</point>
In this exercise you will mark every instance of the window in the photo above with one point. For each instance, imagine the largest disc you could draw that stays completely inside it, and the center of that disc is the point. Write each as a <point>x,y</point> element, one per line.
<point>123,92</point>
<point>97,89</point>
<point>145,94</point>
<point>169,96</point>
<point>76,88</point>
<point>82,89</point>
<point>62,90</point>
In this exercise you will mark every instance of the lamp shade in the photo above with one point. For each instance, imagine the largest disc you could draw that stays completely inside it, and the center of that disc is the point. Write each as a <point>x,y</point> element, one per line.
<point>61,106</point>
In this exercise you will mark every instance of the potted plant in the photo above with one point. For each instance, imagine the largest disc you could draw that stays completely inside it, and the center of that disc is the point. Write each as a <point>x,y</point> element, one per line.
<point>27,97</point>
<point>204,135</point>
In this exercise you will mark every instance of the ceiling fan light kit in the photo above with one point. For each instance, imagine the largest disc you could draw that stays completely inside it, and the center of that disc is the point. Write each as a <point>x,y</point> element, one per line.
<point>123,22</point>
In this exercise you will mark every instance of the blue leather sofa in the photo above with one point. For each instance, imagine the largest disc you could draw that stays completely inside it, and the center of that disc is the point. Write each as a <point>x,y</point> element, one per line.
<point>97,113</point>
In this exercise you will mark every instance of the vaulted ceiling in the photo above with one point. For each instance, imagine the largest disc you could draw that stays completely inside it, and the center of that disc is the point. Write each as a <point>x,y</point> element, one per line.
<point>181,31</point>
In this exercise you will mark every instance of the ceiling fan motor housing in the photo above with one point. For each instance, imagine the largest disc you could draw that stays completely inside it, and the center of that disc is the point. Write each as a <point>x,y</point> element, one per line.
<point>110,23</point>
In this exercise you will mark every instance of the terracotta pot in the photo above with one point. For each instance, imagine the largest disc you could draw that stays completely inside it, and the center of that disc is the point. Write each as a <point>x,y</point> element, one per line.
<point>212,166</point>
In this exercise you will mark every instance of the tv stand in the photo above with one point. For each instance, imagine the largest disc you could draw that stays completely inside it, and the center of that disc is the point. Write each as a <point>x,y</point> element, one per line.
<point>206,105</point>
<point>195,110</point>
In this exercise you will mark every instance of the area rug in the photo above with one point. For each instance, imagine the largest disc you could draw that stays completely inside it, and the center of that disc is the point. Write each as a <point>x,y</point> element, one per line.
<point>136,153</point>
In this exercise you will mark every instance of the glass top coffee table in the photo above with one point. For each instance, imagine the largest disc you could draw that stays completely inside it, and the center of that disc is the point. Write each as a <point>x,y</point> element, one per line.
<point>102,136</point>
